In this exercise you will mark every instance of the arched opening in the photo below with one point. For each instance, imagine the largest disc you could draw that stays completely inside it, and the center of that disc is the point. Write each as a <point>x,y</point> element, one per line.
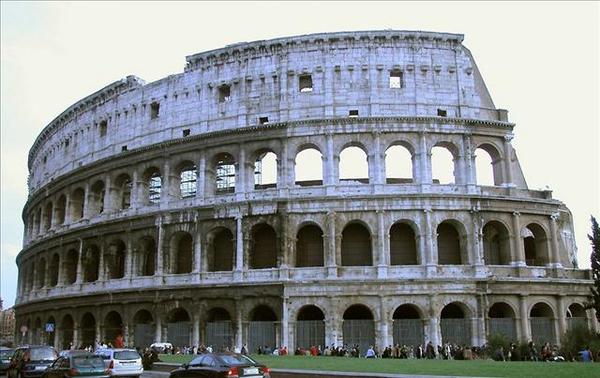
<point>53,270</point>
<point>576,317</point>
<point>442,165</point>
<point>37,334</point>
<point>187,180</point>
<point>146,256</point>
<point>88,330</point>
<point>96,198</point>
<point>356,246</point>
<point>219,332</point>
<point>67,327</point>
<point>60,210</point>
<point>310,327</point>
<point>179,328</point>
<point>76,204</point>
<point>221,251</point>
<point>309,167</point>
<point>455,325</point>
<point>181,253</point>
<point>408,326</point>
<point>71,266</point>
<point>47,338</point>
<point>309,246</point>
<point>47,222</point>
<point>91,263</point>
<point>123,186</point>
<point>41,274</point>
<point>354,165</point>
<point>398,165</point>
<point>262,329</point>
<point>403,245</point>
<point>114,259</point>
<point>143,329</point>
<point>449,245</point>
<point>113,326</point>
<point>359,328</point>
<point>502,321</point>
<point>265,170</point>
<point>496,244</point>
<point>153,185</point>
<point>224,173</point>
<point>541,318</point>
<point>263,251</point>
<point>535,244</point>
<point>488,165</point>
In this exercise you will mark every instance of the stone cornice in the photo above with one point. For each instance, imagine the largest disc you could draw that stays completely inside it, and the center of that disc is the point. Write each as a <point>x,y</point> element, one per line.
<point>245,50</point>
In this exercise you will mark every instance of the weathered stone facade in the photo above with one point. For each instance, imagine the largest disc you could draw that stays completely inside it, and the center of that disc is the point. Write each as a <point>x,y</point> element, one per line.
<point>148,213</point>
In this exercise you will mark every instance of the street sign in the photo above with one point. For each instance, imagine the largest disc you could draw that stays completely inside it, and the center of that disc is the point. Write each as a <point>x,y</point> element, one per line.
<point>49,327</point>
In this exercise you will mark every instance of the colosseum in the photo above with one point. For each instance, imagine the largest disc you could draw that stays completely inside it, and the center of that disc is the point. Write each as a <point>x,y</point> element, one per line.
<point>285,192</point>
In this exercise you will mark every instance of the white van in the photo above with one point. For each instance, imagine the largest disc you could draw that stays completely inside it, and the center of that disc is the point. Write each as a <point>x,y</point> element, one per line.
<point>122,362</point>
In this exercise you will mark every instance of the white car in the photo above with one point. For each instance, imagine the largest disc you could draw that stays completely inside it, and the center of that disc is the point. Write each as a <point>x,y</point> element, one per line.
<point>122,362</point>
<point>161,347</point>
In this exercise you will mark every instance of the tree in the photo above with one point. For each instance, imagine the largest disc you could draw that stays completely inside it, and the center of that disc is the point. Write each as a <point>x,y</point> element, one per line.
<point>595,257</point>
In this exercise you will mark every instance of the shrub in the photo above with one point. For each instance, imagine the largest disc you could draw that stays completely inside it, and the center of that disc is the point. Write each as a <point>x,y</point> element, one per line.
<point>576,339</point>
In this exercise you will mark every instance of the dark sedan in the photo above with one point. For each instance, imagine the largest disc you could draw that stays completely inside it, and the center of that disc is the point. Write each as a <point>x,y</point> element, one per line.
<point>5,356</point>
<point>30,361</point>
<point>222,365</point>
<point>77,364</point>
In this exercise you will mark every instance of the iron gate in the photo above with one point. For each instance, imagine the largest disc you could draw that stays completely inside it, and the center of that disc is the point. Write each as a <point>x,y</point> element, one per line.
<point>143,335</point>
<point>261,334</point>
<point>179,334</point>
<point>88,335</point>
<point>359,332</point>
<point>576,322</point>
<point>542,330</point>
<point>309,333</point>
<point>219,335</point>
<point>456,331</point>
<point>408,332</point>
<point>503,326</point>
<point>67,338</point>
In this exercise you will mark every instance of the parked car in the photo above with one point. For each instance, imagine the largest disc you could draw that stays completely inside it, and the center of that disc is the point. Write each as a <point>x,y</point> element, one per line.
<point>30,361</point>
<point>161,347</point>
<point>222,365</point>
<point>5,355</point>
<point>77,364</point>
<point>121,362</point>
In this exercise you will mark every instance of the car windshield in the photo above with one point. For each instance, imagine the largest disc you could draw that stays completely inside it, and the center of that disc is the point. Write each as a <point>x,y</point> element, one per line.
<point>233,359</point>
<point>88,361</point>
<point>6,353</point>
<point>41,354</point>
<point>196,361</point>
<point>127,355</point>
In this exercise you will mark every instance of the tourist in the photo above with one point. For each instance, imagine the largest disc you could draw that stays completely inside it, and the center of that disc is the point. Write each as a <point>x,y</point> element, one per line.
<point>370,352</point>
<point>586,354</point>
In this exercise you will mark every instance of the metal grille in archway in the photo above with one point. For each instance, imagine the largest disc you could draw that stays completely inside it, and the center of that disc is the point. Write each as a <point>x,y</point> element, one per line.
<point>576,322</point>
<point>542,330</point>
<point>143,335</point>
<point>219,335</point>
<point>503,326</point>
<point>261,334</point>
<point>67,338</point>
<point>456,331</point>
<point>408,332</point>
<point>179,334</point>
<point>88,336</point>
<point>309,333</point>
<point>359,332</point>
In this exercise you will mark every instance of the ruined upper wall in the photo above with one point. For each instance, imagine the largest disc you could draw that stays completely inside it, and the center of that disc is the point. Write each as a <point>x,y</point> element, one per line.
<point>349,71</point>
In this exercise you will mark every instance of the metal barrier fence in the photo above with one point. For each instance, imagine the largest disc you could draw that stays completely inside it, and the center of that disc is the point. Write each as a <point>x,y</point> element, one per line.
<point>359,332</point>
<point>503,326</point>
<point>309,333</point>
<point>542,330</point>
<point>219,335</point>
<point>143,335</point>
<point>575,321</point>
<point>456,331</point>
<point>179,334</point>
<point>408,332</point>
<point>261,334</point>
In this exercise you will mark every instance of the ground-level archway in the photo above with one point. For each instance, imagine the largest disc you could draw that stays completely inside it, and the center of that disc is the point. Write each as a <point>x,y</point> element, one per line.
<point>502,321</point>
<point>359,328</point>
<point>455,325</point>
<point>310,327</point>
<point>179,328</point>
<point>219,331</point>
<point>143,329</point>
<point>407,326</point>
<point>262,329</point>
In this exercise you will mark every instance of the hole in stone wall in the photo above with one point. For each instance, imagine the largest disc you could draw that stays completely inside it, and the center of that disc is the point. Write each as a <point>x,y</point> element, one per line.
<point>353,113</point>
<point>154,110</point>
<point>263,120</point>
<point>305,83</point>
<point>186,132</point>
<point>103,127</point>
<point>224,93</point>
<point>442,113</point>
<point>396,79</point>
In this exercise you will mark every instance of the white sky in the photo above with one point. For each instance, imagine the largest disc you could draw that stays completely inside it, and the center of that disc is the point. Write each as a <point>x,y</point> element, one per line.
<point>539,60</point>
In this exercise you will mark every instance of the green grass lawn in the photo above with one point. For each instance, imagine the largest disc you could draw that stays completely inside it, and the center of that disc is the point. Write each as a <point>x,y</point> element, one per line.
<point>428,367</point>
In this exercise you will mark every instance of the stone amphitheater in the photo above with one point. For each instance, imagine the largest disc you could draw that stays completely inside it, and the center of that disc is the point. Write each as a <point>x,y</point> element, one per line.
<point>213,207</point>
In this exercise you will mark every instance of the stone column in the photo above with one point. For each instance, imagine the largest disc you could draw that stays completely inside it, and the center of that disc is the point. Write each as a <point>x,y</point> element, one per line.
<point>239,325</point>
<point>423,161</point>
<point>376,163</point>
<point>554,246</point>
<point>470,176</point>
<point>129,263</point>
<point>240,185</point>
<point>101,264</point>
<point>196,329</point>
<point>158,329</point>
<point>524,314</point>
<point>508,180</point>
<point>135,191</point>
<point>285,318</point>
<point>109,200</point>
<point>329,175</point>
<point>197,267</point>
<point>239,247</point>
<point>166,190</point>
<point>518,250</point>
<point>201,177</point>
<point>562,315</point>
<point>76,341</point>
<point>477,247</point>
<point>79,278</point>
<point>430,252</point>
<point>285,167</point>
<point>331,248</point>
<point>159,248</point>
<point>382,252</point>
<point>384,339</point>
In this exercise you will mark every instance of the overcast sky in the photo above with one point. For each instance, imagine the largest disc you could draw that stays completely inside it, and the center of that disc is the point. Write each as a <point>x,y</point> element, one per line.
<point>539,60</point>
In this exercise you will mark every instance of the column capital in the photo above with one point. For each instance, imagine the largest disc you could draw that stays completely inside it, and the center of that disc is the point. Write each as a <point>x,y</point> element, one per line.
<point>516,213</point>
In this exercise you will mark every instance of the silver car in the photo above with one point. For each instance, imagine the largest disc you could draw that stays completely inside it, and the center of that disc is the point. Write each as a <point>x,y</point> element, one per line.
<point>122,362</point>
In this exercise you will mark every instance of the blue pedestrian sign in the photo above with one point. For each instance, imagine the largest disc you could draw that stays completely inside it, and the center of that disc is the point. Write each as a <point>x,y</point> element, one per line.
<point>49,327</point>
